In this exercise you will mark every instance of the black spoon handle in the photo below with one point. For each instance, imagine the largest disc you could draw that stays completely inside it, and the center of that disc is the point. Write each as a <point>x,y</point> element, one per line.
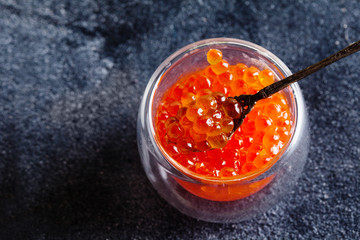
<point>277,86</point>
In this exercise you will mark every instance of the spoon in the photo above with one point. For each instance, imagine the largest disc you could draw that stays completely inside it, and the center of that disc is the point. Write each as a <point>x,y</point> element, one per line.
<point>247,101</point>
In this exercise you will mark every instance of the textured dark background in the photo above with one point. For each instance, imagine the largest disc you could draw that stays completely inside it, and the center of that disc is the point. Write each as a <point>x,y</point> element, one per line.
<point>71,78</point>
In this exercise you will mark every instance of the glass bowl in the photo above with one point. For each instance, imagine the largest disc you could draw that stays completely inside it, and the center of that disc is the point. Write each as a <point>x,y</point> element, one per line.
<point>211,199</point>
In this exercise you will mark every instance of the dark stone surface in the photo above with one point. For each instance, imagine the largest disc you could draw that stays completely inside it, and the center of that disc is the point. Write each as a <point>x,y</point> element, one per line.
<point>71,77</point>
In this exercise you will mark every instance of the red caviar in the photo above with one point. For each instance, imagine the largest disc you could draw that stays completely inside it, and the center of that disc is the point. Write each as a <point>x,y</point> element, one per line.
<point>196,113</point>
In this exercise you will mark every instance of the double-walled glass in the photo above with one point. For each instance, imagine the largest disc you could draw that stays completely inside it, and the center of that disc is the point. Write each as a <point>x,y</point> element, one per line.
<point>209,198</point>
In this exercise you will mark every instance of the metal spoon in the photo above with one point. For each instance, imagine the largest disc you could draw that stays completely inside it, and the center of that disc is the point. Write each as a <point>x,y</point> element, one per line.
<point>247,102</point>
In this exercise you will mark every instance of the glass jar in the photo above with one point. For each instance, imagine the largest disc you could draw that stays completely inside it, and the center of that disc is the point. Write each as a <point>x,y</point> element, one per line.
<point>207,198</point>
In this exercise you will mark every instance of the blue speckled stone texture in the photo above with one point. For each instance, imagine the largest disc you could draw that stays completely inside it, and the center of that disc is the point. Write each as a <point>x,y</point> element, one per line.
<point>71,78</point>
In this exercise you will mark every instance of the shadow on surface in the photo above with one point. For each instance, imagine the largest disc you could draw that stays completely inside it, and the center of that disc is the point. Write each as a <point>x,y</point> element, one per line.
<point>109,192</point>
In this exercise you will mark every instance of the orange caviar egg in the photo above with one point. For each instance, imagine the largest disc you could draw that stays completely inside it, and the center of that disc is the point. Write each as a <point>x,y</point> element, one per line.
<point>174,131</point>
<point>187,98</point>
<point>262,122</point>
<point>221,67</point>
<point>174,107</point>
<point>218,87</point>
<point>185,145</point>
<point>203,124</point>
<point>197,137</point>
<point>218,141</point>
<point>197,114</point>
<point>214,56</point>
<point>266,77</point>
<point>225,78</point>
<point>251,75</point>
<point>202,82</point>
<point>239,70</point>
<point>206,102</point>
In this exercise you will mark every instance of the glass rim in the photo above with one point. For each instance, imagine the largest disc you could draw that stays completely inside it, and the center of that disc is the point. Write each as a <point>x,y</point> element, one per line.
<point>168,62</point>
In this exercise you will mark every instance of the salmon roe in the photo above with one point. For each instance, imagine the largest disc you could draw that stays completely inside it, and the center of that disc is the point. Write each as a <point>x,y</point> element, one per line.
<point>197,113</point>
